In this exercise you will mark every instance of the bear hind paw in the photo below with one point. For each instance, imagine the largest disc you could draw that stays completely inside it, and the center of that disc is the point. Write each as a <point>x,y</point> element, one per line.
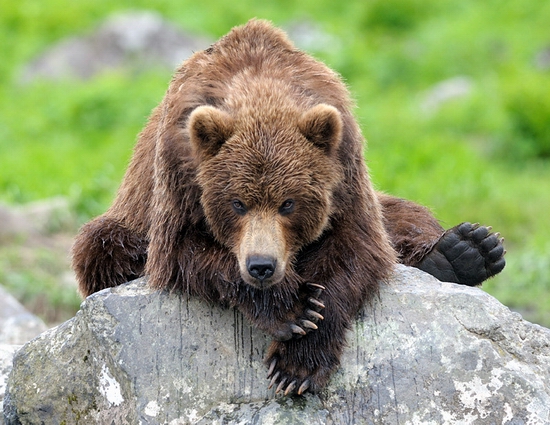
<point>466,254</point>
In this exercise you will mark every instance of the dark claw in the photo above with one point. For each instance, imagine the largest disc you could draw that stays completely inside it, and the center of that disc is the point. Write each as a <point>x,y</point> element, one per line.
<point>280,386</point>
<point>315,286</point>
<point>273,380</point>
<point>314,315</point>
<point>316,303</point>
<point>303,387</point>
<point>290,387</point>
<point>271,368</point>
<point>297,329</point>
<point>309,325</point>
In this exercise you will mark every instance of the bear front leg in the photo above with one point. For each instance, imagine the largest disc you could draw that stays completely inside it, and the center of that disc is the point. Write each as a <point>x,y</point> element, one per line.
<point>106,254</point>
<point>349,261</point>
<point>307,363</point>
<point>466,254</point>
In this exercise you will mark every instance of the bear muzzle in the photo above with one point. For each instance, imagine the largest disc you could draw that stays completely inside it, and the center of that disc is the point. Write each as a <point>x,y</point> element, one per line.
<point>261,252</point>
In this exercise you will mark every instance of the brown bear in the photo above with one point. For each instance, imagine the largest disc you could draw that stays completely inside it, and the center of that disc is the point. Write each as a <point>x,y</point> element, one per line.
<point>248,188</point>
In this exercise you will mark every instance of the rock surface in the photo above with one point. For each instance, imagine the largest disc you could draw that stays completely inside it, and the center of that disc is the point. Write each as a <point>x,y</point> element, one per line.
<point>6,357</point>
<point>425,353</point>
<point>17,326</point>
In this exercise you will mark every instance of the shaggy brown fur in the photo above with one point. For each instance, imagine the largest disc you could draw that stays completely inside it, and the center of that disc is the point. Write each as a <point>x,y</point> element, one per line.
<point>248,188</point>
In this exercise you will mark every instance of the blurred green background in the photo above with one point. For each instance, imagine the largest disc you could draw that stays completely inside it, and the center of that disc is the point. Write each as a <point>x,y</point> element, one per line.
<point>481,156</point>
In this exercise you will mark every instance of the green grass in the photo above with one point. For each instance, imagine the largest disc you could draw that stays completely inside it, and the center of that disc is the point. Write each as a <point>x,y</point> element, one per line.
<point>36,275</point>
<point>483,157</point>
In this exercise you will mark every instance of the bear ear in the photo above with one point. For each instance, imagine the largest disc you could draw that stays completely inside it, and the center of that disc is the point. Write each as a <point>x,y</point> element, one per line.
<point>322,126</point>
<point>209,129</point>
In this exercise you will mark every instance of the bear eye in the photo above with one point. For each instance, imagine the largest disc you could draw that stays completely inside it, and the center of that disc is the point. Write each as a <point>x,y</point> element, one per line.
<point>287,207</point>
<point>238,207</point>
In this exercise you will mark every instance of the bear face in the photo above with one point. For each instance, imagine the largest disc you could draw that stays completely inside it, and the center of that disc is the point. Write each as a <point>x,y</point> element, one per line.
<point>259,199</point>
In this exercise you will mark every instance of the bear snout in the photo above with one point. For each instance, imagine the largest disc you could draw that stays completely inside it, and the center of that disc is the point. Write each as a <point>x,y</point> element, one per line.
<point>261,251</point>
<point>261,267</point>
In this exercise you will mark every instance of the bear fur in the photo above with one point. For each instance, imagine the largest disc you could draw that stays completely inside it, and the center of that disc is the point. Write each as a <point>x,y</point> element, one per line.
<point>248,188</point>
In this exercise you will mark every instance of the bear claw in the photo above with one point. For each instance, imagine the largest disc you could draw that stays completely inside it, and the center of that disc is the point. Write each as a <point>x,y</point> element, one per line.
<point>273,380</point>
<point>290,387</point>
<point>316,302</point>
<point>309,325</point>
<point>271,367</point>
<point>314,315</point>
<point>297,329</point>
<point>318,289</point>
<point>280,386</point>
<point>303,387</point>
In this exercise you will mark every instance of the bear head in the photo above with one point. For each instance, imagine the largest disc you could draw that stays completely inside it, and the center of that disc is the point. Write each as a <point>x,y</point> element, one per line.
<point>267,182</point>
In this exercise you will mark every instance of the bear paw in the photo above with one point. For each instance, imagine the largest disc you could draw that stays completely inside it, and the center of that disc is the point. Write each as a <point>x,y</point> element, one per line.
<point>305,321</point>
<point>290,376</point>
<point>466,254</point>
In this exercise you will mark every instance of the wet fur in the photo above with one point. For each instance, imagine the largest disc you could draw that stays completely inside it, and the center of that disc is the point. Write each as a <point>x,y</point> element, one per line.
<point>166,220</point>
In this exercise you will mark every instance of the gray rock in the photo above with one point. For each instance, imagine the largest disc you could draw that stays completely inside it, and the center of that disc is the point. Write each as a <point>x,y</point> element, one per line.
<point>542,59</point>
<point>36,218</point>
<point>444,92</point>
<point>6,357</point>
<point>17,325</point>
<point>425,353</point>
<point>135,40</point>
<point>311,36</point>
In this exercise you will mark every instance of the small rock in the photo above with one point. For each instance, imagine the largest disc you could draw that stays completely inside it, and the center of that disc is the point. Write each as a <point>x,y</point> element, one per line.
<point>445,91</point>
<point>36,218</point>
<point>17,325</point>
<point>135,40</point>
<point>311,37</point>
<point>542,59</point>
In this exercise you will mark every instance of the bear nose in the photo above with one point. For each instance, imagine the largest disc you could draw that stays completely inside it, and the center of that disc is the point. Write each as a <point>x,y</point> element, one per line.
<point>260,267</point>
